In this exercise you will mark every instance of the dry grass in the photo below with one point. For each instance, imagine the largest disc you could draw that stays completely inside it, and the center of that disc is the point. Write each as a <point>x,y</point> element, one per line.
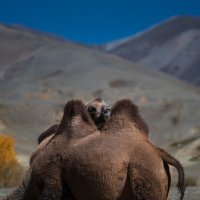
<point>183,143</point>
<point>175,108</point>
<point>191,181</point>
<point>196,156</point>
<point>118,83</point>
<point>175,120</point>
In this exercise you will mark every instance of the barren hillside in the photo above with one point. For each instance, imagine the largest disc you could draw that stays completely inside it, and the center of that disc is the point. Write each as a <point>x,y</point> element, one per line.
<point>172,47</point>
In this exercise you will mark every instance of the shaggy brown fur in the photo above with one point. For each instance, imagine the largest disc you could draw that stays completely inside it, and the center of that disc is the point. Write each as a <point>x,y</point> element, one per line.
<point>119,163</point>
<point>74,112</point>
<point>167,158</point>
<point>135,117</point>
<point>47,133</point>
<point>98,110</point>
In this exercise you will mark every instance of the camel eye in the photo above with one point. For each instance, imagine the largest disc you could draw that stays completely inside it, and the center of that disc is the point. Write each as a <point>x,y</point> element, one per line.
<point>92,109</point>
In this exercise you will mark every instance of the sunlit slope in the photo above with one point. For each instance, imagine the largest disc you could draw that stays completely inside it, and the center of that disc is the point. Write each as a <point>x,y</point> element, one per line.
<point>172,46</point>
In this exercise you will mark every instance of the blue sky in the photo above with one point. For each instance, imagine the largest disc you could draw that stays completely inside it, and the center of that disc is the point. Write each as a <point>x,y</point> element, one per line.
<point>93,21</point>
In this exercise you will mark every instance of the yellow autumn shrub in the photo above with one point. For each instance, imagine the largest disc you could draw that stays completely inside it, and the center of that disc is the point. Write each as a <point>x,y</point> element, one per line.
<point>10,169</point>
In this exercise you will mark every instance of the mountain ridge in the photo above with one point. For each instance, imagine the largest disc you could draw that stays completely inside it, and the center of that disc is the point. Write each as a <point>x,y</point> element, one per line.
<point>172,47</point>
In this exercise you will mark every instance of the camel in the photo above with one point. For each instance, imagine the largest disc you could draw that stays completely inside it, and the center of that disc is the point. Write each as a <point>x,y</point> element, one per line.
<point>99,111</point>
<point>118,163</point>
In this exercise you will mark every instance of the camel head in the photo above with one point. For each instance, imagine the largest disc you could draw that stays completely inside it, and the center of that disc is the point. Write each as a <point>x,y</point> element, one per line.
<point>99,111</point>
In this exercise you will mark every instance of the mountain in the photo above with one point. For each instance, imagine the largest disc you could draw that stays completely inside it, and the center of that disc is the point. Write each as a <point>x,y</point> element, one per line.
<point>39,74</point>
<point>172,47</point>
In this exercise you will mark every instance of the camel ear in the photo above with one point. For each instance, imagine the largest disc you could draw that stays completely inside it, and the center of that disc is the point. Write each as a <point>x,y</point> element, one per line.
<point>75,108</point>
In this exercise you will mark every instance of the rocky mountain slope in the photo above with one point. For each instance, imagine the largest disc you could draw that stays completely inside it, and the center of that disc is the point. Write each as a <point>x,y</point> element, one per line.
<point>172,47</point>
<point>39,74</point>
